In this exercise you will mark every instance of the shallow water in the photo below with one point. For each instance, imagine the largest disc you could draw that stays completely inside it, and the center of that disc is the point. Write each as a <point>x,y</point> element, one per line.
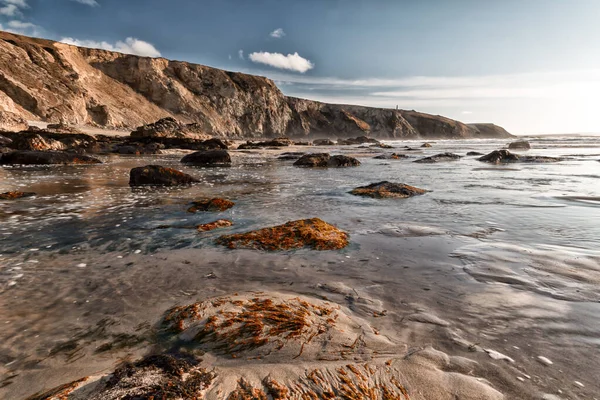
<point>506,254</point>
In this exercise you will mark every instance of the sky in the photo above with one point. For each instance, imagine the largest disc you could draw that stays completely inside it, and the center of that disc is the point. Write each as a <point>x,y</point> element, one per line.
<point>531,66</point>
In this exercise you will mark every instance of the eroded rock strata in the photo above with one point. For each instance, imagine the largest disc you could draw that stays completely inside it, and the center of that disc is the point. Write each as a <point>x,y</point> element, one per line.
<point>59,83</point>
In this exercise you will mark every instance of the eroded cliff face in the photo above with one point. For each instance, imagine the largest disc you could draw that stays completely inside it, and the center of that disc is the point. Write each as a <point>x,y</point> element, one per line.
<point>55,82</point>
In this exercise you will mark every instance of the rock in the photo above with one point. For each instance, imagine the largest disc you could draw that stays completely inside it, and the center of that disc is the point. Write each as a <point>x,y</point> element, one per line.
<point>290,155</point>
<point>300,143</point>
<point>138,148</point>
<point>214,205</point>
<point>382,146</point>
<point>474,153</point>
<point>45,158</point>
<point>157,175</point>
<point>388,189</point>
<point>220,223</point>
<point>357,140</point>
<point>505,156</point>
<point>324,160</point>
<point>36,142</point>
<point>62,128</point>
<point>313,233</point>
<point>279,142</point>
<point>12,122</point>
<point>520,145</point>
<point>393,156</point>
<point>4,141</point>
<point>440,158</point>
<point>209,157</point>
<point>169,128</point>
<point>15,195</point>
<point>323,142</point>
<point>426,145</point>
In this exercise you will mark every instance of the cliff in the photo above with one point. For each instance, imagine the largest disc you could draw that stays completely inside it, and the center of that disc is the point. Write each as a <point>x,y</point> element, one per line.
<point>54,82</point>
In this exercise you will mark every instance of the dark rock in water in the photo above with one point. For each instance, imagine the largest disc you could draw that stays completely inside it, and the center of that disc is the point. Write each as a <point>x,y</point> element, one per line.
<point>159,176</point>
<point>324,160</point>
<point>426,145</point>
<point>520,145</point>
<point>388,189</point>
<point>4,141</point>
<point>505,156</point>
<point>220,223</point>
<point>357,140</point>
<point>393,156</point>
<point>209,157</point>
<point>15,195</point>
<point>139,148</point>
<point>440,158</point>
<point>313,233</point>
<point>213,205</point>
<point>382,146</point>
<point>474,153</point>
<point>36,142</point>
<point>279,142</point>
<point>323,142</point>
<point>290,155</point>
<point>45,158</point>
<point>300,143</point>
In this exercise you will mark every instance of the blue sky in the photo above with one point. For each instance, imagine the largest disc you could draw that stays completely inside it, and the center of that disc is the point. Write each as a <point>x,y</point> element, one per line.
<point>532,66</point>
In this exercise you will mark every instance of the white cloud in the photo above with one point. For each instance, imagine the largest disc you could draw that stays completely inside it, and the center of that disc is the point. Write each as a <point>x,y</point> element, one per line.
<point>91,3</point>
<point>18,3</point>
<point>241,54</point>
<point>10,10</point>
<point>292,62</point>
<point>467,112</point>
<point>277,33</point>
<point>23,28</point>
<point>129,46</point>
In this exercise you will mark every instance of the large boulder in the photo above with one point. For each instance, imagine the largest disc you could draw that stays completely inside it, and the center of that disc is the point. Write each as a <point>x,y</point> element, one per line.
<point>388,189</point>
<point>357,140</point>
<point>36,142</point>
<point>324,160</point>
<point>170,128</point>
<point>157,175</point>
<point>209,157</point>
<point>520,145</point>
<point>439,158</point>
<point>12,122</point>
<point>313,233</point>
<point>45,158</point>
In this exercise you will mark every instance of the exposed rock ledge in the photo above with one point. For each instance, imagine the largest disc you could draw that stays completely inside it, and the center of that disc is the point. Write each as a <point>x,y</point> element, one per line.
<point>56,82</point>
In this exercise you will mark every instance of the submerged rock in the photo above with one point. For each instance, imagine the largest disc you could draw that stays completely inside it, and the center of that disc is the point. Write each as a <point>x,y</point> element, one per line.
<point>520,145</point>
<point>357,140</point>
<point>505,156</point>
<point>291,155</point>
<point>214,205</point>
<point>474,153</point>
<point>440,158</point>
<point>278,142</point>
<point>220,223</point>
<point>209,157</point>
<point>313,233</point>
<point>393,156</point>
<point>159,176</point>
<point>323,142</point>
<point>388,189</point>
<point>325,160</point>
<point>45,158</point>
<point>426,145</point>
<point>15,195</point>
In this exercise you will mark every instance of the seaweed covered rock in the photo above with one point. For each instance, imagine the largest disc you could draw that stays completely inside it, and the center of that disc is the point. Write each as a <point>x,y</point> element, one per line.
<point>209,157</point>
<point>15,195</point>
<point>313,233</point>
<point>157,175</point>
<point>388,189</point>
<point>439,158</point>
<point>520,145</point>
<point>45,158</point>
<point>214,205</point>
<point>324,160</point>
<point>220,223</point>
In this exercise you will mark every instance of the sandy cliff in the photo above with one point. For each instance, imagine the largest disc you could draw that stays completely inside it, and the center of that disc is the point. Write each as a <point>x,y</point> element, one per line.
<point>53,82</point>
